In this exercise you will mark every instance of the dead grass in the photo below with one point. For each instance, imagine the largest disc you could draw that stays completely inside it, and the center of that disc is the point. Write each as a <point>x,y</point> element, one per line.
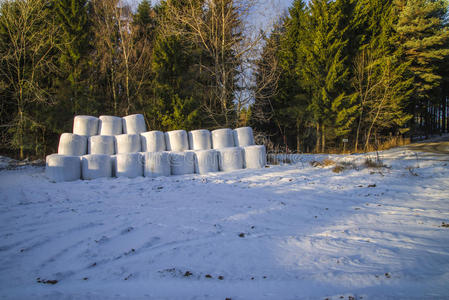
<point>338,169</point>
<point>338,166</point>
<point>373,163</point>
<point>323,163</point>
<point>392,142</point>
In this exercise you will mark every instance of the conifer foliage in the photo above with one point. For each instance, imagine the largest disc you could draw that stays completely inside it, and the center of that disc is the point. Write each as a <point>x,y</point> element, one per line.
<point>365,71</point>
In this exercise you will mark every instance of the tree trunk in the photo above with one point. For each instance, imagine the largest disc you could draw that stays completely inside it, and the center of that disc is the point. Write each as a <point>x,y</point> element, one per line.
<point>323,139</point>
<point>317,146</point>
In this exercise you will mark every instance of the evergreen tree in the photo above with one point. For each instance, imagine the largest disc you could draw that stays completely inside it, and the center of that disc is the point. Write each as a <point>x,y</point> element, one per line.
<point>72,17</point>
<point>174,67</point>
<point>325,69</point>
<point>424,35</point>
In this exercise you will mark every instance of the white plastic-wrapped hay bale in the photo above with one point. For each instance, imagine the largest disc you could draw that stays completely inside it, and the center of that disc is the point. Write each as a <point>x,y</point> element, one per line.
<point>255,157</point>
<point>243,136</point>
<point>182,162</point>
<point>156,164</point>
<point>223,138</point>
<point>101,144</point>
<point>134,124</point>
<point>110,125</point>
<point>60,168</point>
<point>176,140</point>
<point>206,161</point>
<point>200,139</point>
<point>152,141</point>
<point>127,143</point>
<point>72,144</point>
<point>230,158</point>
<point>85,125</point>
<point>127,165</point>
<point>96,166</point>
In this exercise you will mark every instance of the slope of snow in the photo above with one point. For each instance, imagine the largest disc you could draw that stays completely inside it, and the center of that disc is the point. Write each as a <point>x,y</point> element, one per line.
<point>284,232</point>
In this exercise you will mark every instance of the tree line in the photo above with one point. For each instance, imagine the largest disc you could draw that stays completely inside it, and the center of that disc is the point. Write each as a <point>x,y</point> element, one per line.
<point>177,62</point>
<point>363,70</point>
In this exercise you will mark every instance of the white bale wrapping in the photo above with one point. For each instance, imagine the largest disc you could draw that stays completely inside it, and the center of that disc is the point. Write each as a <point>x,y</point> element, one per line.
<point>152,141</point>
<point>85,125</point>
<point>96,166</point>
<point>127,143</point>
<point>230,159</point>
<point>176,140</point>
<point>255,157</point>
<point>134,124</point>
<point>182,163</point>
<point>206,161</point>
<point>223,138</point>
<point>243,136</point>
<point>101,144</point>
<point>156,164</point>
<point>72,144</point>
<point>110,125</point>
<point>60,168</point>
<point>200,139</point>
<point>127,165</point>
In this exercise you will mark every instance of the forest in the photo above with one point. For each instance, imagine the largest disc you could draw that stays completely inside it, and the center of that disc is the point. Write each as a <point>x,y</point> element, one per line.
<point>330,75</point>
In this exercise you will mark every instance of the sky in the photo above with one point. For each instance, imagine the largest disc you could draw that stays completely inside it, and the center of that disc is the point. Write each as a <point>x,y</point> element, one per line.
<point>266,12</point>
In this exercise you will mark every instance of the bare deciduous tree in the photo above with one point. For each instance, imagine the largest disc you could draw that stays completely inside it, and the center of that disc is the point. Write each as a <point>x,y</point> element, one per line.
<point>28,27</point>
<point>217,26</point>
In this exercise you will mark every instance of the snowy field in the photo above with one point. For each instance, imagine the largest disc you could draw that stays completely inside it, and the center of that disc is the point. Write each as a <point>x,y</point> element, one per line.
<point>285,232</point>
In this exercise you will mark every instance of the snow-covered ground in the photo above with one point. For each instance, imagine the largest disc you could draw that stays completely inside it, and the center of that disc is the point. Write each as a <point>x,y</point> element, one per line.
<point>284,232</point>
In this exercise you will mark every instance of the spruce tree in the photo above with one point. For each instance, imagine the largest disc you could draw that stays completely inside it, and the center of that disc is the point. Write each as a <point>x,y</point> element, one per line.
<point>423,34</point>
<point>72,17</point>
<point>325,68</point>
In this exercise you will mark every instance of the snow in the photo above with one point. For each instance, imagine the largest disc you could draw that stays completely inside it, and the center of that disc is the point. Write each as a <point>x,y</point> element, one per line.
<point>283,232</point>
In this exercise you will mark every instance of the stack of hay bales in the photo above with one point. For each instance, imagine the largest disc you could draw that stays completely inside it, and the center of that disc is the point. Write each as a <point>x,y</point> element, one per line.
<point>111,146</point>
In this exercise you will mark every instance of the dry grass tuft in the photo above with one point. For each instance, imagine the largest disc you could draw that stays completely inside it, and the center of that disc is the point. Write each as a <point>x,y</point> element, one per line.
<point>338,169</point>
<point>322,164</point>
<point>392,142</point>
<point>375,164</point>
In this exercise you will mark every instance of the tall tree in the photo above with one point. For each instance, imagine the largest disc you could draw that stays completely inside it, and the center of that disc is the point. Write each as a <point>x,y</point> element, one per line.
<point>72,17</point>
<point>424,36</point>
<point>325,69</point>
<point>216,26</point>
<point>28,42</point>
